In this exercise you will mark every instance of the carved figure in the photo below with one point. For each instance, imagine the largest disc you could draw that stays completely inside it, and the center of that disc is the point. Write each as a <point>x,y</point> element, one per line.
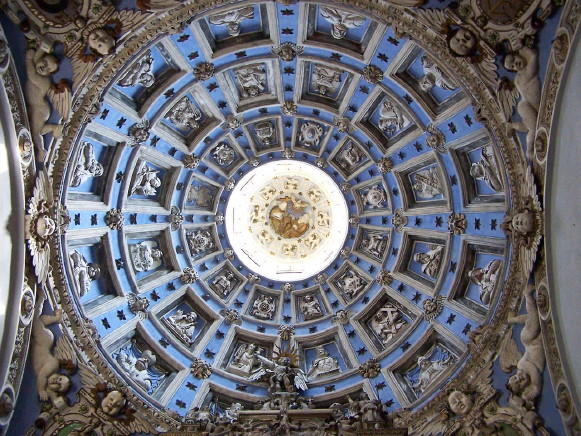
<point>224,154</point>
<point>84,272</point>
<point>146,181</point>
<point>137,367</point>
<point>430,260</point>
<point>430,369</point>
<point>200,195</point>
<point>86,166</point>
<point>264,307</point>
<point>460,403</point>
<point>39,66</point>
<point>323,364</point>
<point>526,64</point>
<point>486,279</point>
<point>139,133</point>
<point>201,241</point>
<point>526,383</point>
<point>232,19</point>
<point>252,79</point>
<point>222,283</point>
<point>427,183</point>
<point>245,360</point>
<point>144,256</point>
<point>185,115</point>
<point>284,375</point>
<point>391,117</point>
<point>49,383</point>
<point>287,51</point>
<point>289,217</point>
<point>264,131</point>
<point>461,42</point>
<point>387,322</point>
<point>341,21</point>
<point>323,219</point>
<point>101,42</point>
<point>310,134</point>
<point>312,241</point>
<point>183,325</point>
<point>373,243</point>
<point>326,80</point>
<point>265,237</point>
<point>351,283</point>
<point>374,197</point>
<point>487,169</point>
<point>310,308</point>
<point>349,157</point>
<point>140,73</point>
<point>434,76</point>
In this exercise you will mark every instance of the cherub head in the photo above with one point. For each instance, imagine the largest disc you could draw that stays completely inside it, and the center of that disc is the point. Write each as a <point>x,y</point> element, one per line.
<point>459,402</point>
<point>113,402</point>
<point>477,171</point>
<point>518,382</point>
<point>461,42</point>
<point>58,383</point>
<point>101,42</point>
<point>523,222</point>
<point>145,361</point>
<point>514,62</point>
<point>47,65</point>
<point>45,226</point>
<point>422,258</point>
<point>322,352</point>
<point>233,28</point>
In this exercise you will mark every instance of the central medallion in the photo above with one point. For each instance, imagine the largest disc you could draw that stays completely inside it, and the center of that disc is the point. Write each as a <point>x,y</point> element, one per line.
<point>286,220</point>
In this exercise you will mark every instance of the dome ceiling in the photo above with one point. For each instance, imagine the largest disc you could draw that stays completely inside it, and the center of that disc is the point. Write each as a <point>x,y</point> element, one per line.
<point>306,180</point>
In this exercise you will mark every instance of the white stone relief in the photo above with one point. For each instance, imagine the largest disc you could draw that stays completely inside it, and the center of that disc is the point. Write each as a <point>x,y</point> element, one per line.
<point>374,197</point>
<point>341,21</point>
<point>434,76</point>
<point>200,241</point>
<point>185,115</point>
<point>326,80</point>
<point>387,322</point>
<point>182,325</point>
<point>310,134</point>
<point>252,79</point>
<point>310,308</point>
<point>145,256</point>
<point>224,154</point>
<point>263,307</point>
<point>200,195</point>
<point>430,369</point>
<point>146,181</point>
<point>323,364</point>
<point>84,272</point>
<point>232,19</point>
<point>487,169</point>
<point>245,360</point>
<point>137,367</point>
<point>223,283</point>
<point>427,184</point>
<point>140,73</point>
<point>86,165</point>
<point>350,283</point>
<point>264,131</point>
<point>485,279</point>
<point>430,260</point>
<point>391,117</point>
<point>349,157</point>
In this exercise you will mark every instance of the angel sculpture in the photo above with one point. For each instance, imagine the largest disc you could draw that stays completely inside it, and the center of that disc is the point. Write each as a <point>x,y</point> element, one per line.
<point>39,66</point>
<point>526,383</point>
<point>140,73</point>
<point>341,21</point>
<point>40,226</point>
<point>526,65</point>
<point>284,376</point>
<point>49,382</point>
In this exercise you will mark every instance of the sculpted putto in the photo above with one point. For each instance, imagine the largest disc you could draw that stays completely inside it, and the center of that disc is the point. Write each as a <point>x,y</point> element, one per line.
<point>39,67</point>
<point>526,64</point>
<point>137,367</point>
<point>326,80</point>
<point>387,322</point>
<point>146,181</point>
<point>252,79</point>
<point>391,117</point>
<point>232,19</point>
<point>341,21</point>
<point>245,360</point>
<point>310,308</point>
<point>145,256</point>
<point>183,325</point>
<point>430,260</point>
<point>323,364</point>
<point>87,165</point>
<point>430,369</point>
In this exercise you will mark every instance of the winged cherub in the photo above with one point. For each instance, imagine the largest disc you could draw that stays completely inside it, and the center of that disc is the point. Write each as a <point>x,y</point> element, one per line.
<point>39,67</point>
